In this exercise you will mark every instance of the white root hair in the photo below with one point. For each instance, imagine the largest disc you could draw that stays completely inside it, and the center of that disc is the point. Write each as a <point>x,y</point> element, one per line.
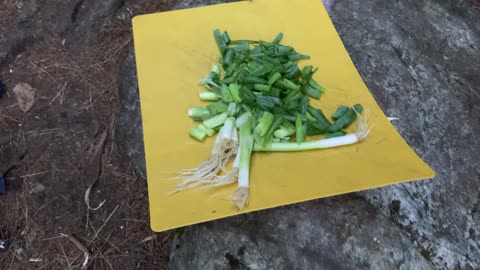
<point>241,197</point>
<point>362,125</point>
<point>225,147</point>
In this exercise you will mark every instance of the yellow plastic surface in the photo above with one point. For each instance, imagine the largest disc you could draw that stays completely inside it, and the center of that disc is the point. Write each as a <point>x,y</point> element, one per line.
<point>175,49</point>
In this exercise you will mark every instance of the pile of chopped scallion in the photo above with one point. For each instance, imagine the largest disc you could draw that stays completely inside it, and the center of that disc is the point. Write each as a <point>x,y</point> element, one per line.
<point>260,101</point>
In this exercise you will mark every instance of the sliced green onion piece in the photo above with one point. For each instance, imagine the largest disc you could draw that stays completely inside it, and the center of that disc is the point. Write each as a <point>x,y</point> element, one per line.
<point>209,96</point>
<point>315,85</point>
<point>306,71</point>
<point>264,123</point>
<point>226,95</point>
<point>227,60</point>
<point>232,109</point>
<point>339,112</point>
<point>235,92</point>
<point>216,69</point>
<point>220,41</point>
<point>217,107</point>
<point>346,119</point>
<point>335,134</point>
<point>275,76</point>
<point>300,132</point>
<point>278,38</point>
<point>241,48</point>
<point>197,133</point>
<point>290,85</point>
<point>253,79</point>
<point>312,92</point>
<point>226,38</point>
<point>283,132</point>
<point>199,113</point>
<point>210,131</point>
<point>216,121</point>
<point>262,87</point>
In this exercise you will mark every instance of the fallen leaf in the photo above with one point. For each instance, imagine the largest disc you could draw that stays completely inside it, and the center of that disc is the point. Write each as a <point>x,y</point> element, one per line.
<point>25,96</point>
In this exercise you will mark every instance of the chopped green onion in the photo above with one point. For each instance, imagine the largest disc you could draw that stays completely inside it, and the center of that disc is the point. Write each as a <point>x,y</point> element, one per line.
<point>315,85</point>
<point>275,76</point>
<point>284,131</point>
<point>226,38</point>
<point>197,133</point>
<point>278,38</point>
<point>306,72</point>
<point>216,121</point>
<point>199,113</point>
<point>312,92</point>
<point>266,94</point>
<point>210,131</point>
<point>241,48</point>
<point>222,46</point>
<point>335,134</point>
<point>346,119</point>
<point>216,69</point>
<point>217,107</point>
<point>262,87</point>
<point>209,96</point>
<point>339,112</point>
<point>300,132</point>
<point>226,95</point>
<point>290,85</point>
<point>264,123</point>
<point>235,92</point>
<point>232,109</point>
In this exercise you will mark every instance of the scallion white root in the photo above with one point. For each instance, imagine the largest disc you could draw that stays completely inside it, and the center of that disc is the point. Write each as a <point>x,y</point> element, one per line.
<point>242,196</point>
<point>229,177</point>
<point>225,147</point>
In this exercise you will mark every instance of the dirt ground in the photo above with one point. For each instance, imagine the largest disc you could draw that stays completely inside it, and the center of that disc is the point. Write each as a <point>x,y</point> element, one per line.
<point>65,143</point>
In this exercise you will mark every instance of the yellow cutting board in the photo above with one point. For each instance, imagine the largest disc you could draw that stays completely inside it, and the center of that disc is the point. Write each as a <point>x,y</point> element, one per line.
<point>175,49</point>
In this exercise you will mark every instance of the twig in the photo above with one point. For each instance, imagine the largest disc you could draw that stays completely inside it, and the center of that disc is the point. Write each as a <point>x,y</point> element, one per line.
<point>94,163</point>
<point>149,238</point>
<point>46,72</point>
<point>61,93</point>
<point>76,242</point>
<point>86,253</point>
<point>66,258</point>
<point>105,223</point>
<point>107,261</point>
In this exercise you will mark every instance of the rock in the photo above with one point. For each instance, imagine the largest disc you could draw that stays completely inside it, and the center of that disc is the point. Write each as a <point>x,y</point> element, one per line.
<point>25,95</point>
<point>79,19</point>
<point>195,3</point>
<point>422,62</point>
<point>420,59</point>
<point>338,233</point>
<point>13,39</point>
<point>129,132</point>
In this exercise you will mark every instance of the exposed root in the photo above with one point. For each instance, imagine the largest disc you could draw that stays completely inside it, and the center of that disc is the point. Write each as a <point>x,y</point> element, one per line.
<point>229,178</point>
<point>362,126</point>
<point>206,173</point>
<point>241,197</point>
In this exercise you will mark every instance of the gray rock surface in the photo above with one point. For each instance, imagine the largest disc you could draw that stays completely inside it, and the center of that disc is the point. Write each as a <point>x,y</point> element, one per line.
<point>76,23</point>
<point>79,19</point>
<point>339,233</point>
<point>421,61</point>
<point>129,132</point>
<point>13,39</point>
